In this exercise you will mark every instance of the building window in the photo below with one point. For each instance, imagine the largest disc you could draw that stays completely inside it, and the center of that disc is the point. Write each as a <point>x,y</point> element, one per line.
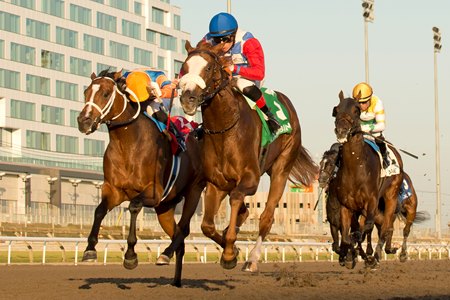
<point>161,62</point>
<point>138,8</point>
<point>119,4</point>
<point>67,90</point>
<point>38,140</point>
<point>284,205</point>
<point>118,50</point>
<point>66,37</point>
<point>80,66</point>
<point>183,47</point>
<point>2,49</point>
<point>9,79</point>
<point>131,29</point>
<point>22,110</point>
<point>66,144</point>
<point>53,7</point>
<point>99,1</point>
<point>73,118</point>
<point>168,42</point>
<point>106,22</point>
<point>52,60</point>
<point>176,22</point>
<point>102,67</point>
<point>157,15</point>
<point>80,14</point>
<point>38,85</point>
<point>25,3</point>
<point>93,44</point>
<point>94,147</point>
<point>9,22</point>
<point>5,137</point>
<point>52,115</point>
<point>150,36</point>
<point>38,30</point>
<point>177,67</point>
<point>23,54</point>
<point>301,205</point>
<point>143,57</point>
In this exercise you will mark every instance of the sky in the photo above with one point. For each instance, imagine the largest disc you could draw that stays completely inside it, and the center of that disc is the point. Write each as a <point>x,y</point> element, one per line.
<point>315,49</point>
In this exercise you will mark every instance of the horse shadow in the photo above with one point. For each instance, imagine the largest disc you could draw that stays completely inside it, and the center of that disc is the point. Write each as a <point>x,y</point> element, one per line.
<point>125,283</point>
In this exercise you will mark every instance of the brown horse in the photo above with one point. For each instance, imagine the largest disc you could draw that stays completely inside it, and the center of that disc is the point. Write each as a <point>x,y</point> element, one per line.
<point>407,211</point>
<point>137,167</point>
<point>232,150</point>
<point>359,181</point>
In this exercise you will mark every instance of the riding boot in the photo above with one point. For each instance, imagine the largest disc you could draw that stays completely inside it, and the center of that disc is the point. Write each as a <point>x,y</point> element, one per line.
<point>383,151</point>
<point>271,121</point>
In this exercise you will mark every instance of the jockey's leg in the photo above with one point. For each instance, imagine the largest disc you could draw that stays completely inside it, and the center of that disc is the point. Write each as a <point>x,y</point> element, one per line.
<point>249,89</point>
<point>162,117</point>
<point>382,145</point>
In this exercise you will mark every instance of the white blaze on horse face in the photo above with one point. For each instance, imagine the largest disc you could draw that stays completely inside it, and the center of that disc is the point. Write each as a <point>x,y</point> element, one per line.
<point>193,79</point>
<point>95,88</point>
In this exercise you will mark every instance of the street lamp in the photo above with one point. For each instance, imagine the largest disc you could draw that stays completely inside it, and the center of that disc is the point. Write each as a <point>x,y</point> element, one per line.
<point>437,49</point>
<point>98,186</point>
<point>51,181</point>
<point>75,183</point>
<point>27,190</point>
<point>368,17</point>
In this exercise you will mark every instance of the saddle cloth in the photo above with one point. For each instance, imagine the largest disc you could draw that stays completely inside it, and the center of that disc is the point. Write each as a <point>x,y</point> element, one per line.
<point>278,110</point>
<point>393,168</point>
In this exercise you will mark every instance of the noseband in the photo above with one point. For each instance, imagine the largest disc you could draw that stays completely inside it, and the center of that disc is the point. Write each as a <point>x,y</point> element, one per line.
<point>353,130</point>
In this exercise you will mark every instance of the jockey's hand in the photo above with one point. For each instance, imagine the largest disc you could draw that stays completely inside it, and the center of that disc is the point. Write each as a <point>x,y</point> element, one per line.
<point>229,69</point>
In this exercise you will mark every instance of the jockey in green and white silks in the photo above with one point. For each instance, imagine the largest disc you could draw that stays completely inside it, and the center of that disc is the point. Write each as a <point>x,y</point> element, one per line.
<point>373,119</point>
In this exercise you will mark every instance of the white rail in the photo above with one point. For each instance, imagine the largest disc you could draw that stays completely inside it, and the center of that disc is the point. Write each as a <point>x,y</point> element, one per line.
<point>312,249</point>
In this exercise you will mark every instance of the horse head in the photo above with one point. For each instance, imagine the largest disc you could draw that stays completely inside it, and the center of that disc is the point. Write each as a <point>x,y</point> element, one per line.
<point>328,165</point>
<point>204,75</point>
<point>347,118</point>
<point>100,97</point>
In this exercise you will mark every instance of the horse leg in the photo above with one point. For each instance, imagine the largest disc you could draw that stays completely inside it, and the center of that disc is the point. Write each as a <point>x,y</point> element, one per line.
<point>90,254</point>
<point>386,231</point>
<point>166,218</point>
<point>347,256</point>
<point>131,261</point>
<point>212,200</point>
<point>410,217</point>
<point>277,184</point>
<point>335,235</point>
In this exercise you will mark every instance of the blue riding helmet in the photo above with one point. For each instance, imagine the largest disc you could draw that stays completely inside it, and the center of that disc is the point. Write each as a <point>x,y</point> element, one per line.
<point>222,24</point>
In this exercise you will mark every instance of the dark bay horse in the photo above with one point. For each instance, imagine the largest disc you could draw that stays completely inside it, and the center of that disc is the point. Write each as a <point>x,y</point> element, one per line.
<point>407,210</point>
<point>359,182</point>
<point>232,150</point>
<point>137,167</point>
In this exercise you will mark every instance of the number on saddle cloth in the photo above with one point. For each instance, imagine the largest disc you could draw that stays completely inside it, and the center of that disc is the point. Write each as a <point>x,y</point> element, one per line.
<point>278,110</point>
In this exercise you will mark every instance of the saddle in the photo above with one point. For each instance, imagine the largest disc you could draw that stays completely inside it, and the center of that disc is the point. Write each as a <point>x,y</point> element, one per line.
<point>393,168</point>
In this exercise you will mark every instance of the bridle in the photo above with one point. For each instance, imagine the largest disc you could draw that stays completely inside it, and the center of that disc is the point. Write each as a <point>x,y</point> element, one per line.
<point>353,129</point>
<point>111,123</point>
<point>207,94</point>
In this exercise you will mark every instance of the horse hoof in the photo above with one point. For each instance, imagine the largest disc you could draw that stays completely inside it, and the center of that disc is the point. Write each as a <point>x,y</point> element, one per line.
<point>176,283</point>
<point>163,260</point>
<point>228,265</point>
<point>371,262</point>
<point>350,262</point>
<point>250,266</point>
<point>391,251</point>
<point>90,256</point>
<point>403,257</point>
<point>130,264</point>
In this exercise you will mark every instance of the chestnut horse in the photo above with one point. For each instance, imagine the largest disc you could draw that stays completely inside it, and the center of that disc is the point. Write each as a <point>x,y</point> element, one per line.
<point>407,211</point>
<point>359,182</point>
<point>137,167</point>
<point>232,150</point>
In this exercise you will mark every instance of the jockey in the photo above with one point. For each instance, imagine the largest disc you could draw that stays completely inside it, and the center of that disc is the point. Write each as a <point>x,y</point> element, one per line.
<point>248,59</point>
<point>153,85</point>
<point>372,115</point>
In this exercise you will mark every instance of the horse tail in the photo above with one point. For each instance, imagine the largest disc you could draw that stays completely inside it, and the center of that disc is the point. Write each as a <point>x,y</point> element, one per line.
<point>421,216</point>
<point>304,171</point>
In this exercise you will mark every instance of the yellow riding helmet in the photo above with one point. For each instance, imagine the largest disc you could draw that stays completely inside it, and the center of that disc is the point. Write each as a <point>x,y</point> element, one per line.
<point>364,90</point>
<point>138,81</point>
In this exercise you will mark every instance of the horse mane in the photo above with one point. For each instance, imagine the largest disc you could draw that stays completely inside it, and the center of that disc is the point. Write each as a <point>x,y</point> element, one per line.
<point>106,73</point>
<point>224,60</point>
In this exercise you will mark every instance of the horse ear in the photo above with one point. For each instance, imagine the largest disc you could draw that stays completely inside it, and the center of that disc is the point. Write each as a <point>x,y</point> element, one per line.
<point>93,76</point>
<point>117,75</point>
<point>334,113</point>
<point>341,95</point>
<point>188,46</point>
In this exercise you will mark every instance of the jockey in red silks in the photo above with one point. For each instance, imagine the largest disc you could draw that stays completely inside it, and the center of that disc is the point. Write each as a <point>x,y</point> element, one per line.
<point>248,59</point>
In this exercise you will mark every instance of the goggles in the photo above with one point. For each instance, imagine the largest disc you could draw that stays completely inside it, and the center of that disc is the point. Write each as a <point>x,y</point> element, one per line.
<point>222,39</point>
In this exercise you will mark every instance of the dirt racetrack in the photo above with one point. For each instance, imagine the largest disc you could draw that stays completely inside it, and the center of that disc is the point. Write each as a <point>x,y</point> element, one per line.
<point>425,279</point>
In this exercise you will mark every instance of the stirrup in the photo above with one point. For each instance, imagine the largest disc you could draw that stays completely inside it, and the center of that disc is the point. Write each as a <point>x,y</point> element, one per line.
<point>273,125</point>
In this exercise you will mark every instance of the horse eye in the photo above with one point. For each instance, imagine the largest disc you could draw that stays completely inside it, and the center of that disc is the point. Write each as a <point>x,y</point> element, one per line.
<point>208,68</point>
<point>105,95</point>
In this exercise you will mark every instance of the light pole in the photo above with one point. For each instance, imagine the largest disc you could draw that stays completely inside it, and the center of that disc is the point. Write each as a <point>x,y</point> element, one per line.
<point>229,6</point>
<point>98,186</point>
<point>437,49</point>
<point>368,17</point>
<point>75,183</point>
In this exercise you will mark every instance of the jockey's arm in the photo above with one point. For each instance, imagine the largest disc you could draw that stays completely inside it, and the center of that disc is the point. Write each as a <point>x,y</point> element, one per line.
<point>379,125</point>
<point>256,65</point>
